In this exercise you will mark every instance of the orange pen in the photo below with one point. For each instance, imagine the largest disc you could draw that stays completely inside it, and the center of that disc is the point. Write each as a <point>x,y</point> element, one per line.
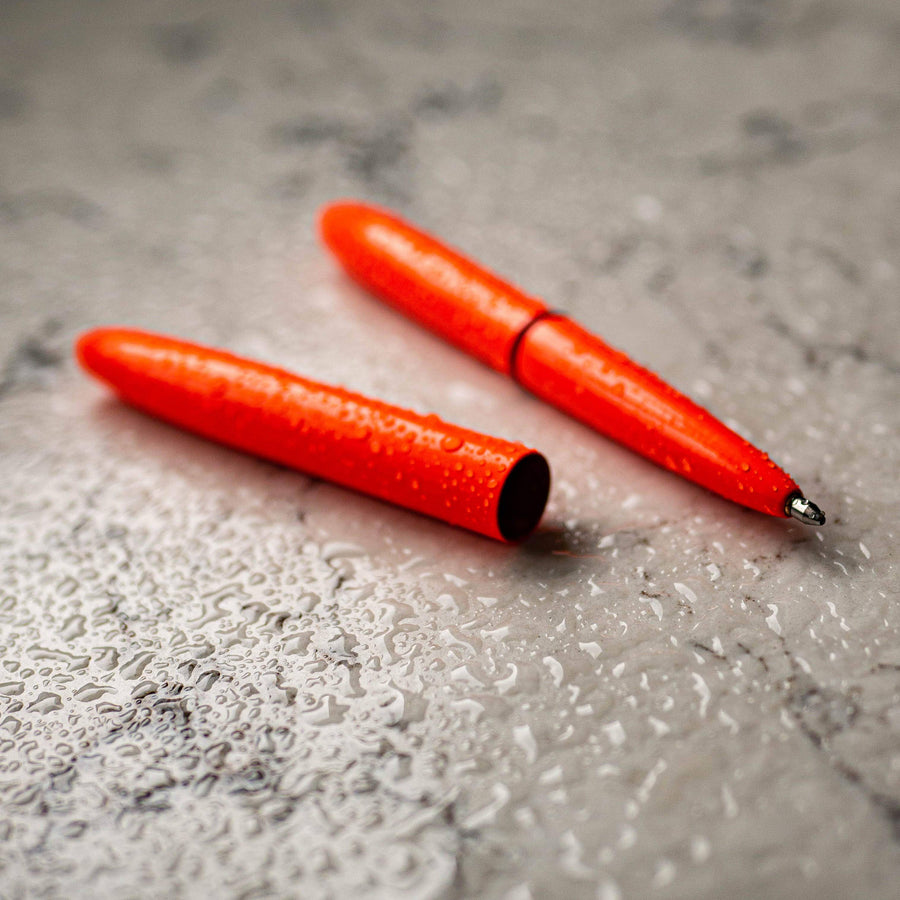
<point>554,358</point>
<point>488,485</point>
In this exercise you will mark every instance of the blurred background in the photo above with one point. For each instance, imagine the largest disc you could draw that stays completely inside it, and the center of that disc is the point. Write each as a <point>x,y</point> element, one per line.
<point>698,164</point>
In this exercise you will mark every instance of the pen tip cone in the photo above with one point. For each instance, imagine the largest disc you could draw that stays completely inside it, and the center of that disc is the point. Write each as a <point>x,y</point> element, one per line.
<point>804,510</point>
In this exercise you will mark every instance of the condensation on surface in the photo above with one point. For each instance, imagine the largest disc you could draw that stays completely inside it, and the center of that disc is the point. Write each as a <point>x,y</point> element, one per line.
<point>222,679</point>
<point>208,689</point>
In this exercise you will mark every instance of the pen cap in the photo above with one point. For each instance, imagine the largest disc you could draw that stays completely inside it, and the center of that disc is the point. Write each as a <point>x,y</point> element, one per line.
<point>427,281</point>
<point>492,486</point>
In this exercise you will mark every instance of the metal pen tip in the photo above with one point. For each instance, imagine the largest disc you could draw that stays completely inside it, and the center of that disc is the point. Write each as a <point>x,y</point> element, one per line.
<point>804,510</point>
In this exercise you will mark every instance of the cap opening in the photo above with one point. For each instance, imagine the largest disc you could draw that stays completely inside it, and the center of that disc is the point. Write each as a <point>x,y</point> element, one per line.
<point>523,497</point>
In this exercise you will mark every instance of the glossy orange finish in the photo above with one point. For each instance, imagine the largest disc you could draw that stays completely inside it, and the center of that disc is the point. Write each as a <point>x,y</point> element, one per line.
<point>429,282</point>
<point>550,355</point>
<point>568,366</point>
<point>491,486</point>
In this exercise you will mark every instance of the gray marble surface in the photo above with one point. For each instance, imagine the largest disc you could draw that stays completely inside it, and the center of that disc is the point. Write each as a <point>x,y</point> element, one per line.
<point>223,679</point>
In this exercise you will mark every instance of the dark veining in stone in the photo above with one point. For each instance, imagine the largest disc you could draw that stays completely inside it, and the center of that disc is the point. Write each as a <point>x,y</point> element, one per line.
<point>616,253</point>
<point>309,131</point>
<point>75,207</point>
<point>662,278</point>
<point>315,14</point>
<point>749,260</point>
<point>704,649</point>
<point>10,210</point>
<point>34,358</point>
<point>452,99</point>
<point>771,139</point>
<point>381,156</point>
<point>221,96</point>
<point>750,23</point>
<point>156,159</point>
<point>776,133</point>
<point>765,123</point>
<point>842,264</point>
<point>414,26</point>
<point>821,713</point>
<point>844,122</point>
<point>887,805</point>
<point>821,355</point>
<point>13,102</point>
<point>380,152</point>
<point>291,186</point>
<point>742,22</point>
<point>60,201</point>
<point>183,43</point>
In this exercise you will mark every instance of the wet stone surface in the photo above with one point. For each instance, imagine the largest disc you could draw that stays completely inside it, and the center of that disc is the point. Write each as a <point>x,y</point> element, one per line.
<point>220,678</point>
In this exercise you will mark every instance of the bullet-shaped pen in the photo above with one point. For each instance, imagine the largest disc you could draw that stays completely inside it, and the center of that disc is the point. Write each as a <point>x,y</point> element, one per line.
<point>554,358</point>
<point>486,484</point>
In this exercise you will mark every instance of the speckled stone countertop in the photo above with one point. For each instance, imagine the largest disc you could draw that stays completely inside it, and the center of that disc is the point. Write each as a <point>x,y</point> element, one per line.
<point>220,678</point>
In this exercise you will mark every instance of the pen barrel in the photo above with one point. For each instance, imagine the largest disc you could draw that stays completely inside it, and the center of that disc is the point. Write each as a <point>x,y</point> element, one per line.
<point>565,364</point>
<point>429,282</point>
<point>491,486</point>
<point>550,355</point>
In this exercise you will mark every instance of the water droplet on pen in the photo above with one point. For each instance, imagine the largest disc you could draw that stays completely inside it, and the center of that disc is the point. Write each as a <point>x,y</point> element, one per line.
<point>451,443</point>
